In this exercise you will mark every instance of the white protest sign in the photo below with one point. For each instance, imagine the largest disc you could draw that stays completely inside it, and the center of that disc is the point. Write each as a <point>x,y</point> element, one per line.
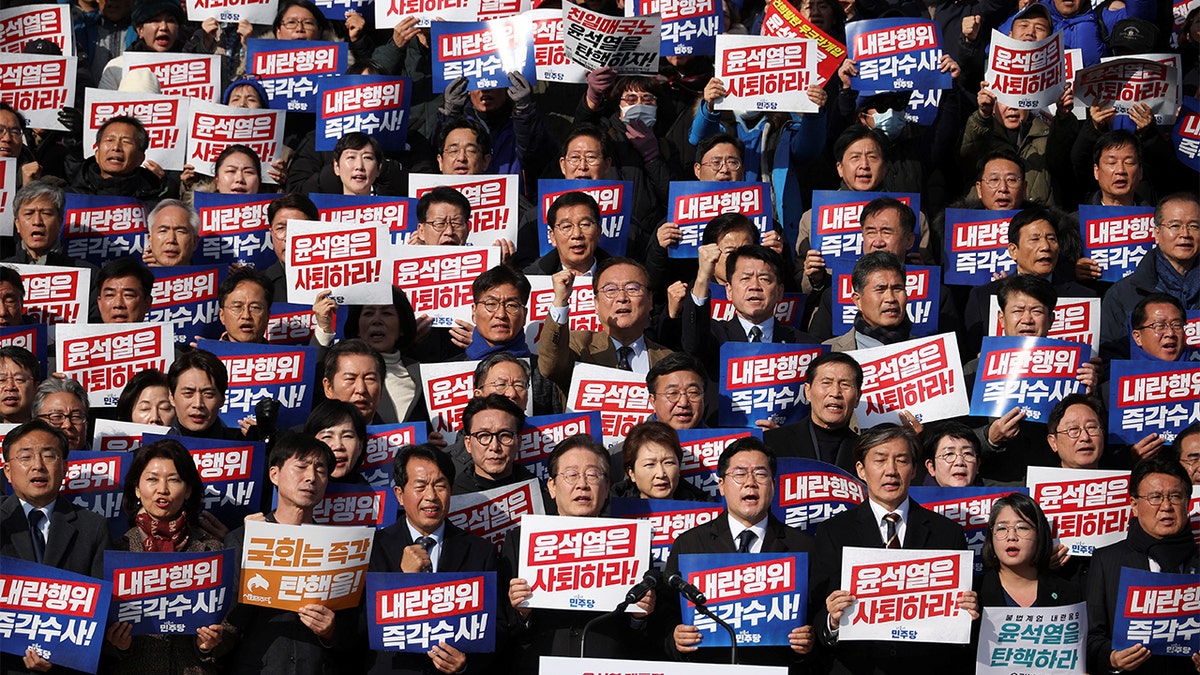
<point>1075,320</point>
<point>232,11</point>
<point>212,128</point>
<point>766,73</point>
<point>1026,75</point>
<point>582,306</point>
<point>492,513</point>
<point>187,75</point>
<point>1124,82</point>
<point>349,259</point>
<point>449,387</point>
<point>922,376</point>
<point>1087,508</point>
<point>1050,640</point>
<point>19,25</point>
<point>38,86</point>
<point>621,396</point>
<point>437,279</point>
<point>113,436</point>
<point>493,200</point>
<point>55,295</point>
<point>388,13</point>
<point>583,564</point>
<point>163,117</point>
<point>628,45</point>
<point>103,357</point>
<point>549,53</point>
<point>903,595</point>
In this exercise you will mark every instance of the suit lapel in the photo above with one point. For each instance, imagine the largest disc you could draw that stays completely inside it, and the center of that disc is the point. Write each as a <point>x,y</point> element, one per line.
<point>916,533</point>
<point>721,539</point>
<point>868,527</point>
<point>62,533</point>
<point>17,527</point>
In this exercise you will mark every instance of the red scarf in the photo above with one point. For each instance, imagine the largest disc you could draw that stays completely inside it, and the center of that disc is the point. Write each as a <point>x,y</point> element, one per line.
<point>164,536</point>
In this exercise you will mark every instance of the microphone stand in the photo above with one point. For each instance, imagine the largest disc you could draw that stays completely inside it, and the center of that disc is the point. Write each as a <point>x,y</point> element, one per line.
<point>703,609</point>
<point>621,607</point>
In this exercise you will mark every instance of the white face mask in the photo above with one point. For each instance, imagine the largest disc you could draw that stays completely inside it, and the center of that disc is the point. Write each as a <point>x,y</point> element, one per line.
<point>889,122</point>
<point>648,114</point>
<point>748,117</point>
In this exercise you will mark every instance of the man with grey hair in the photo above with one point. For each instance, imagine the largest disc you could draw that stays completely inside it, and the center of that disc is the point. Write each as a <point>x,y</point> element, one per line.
<point>501,373</point>
<point>173,231</point>
<point>116,168</point>
<point>38,218</point>
<point>63,403</point>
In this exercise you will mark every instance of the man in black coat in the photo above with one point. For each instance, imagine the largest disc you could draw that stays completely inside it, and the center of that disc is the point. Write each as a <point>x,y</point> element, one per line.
<point>746,477</point>
<point>424,542</point>
<point>888,457</point>
<point>1159,540</point>
<point>832,386</point>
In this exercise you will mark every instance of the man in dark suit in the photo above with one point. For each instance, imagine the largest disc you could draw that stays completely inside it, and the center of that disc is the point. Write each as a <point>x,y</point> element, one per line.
<point>38,525</point>
<point>746,479</point>
<point>888,458</point>
<point>832,385</point>
<point>1159,540</point>
<point>754,285</point>
<point>424,542</point>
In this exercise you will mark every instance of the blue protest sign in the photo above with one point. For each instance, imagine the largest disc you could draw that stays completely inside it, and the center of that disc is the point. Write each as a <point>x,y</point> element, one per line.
<point>285,373</point>
<point>924,297</point>
<point>896,54</point>
<point>970,507</point>
<point>694,203</point>
<point>354,505</point>
<point>398,213</point>
<point>923,106</point>
<point>701,450</point>
<point>383,440</point>
<point>376,105</point>
<point>688,28</point>
<point>1185,137</point>
<point>335,10</point>
<point>289,69</point>
<point>100,228</point>
<point>668,519</point>
<point>170,593</point>
<point>808,492</point>
<point>789,310</point>
<point>1159,611</point>
<point>293,324</point>
<point>415,612</point>
<point>1116,237</point>
<point>1029,373</point>
<point>31,337</point>
<point>1151,397</point>
<point>95,481</point>
<point>762,381</point>
<point>543,432</point>
<point>234,229</point>
<point>233,473</point>
<point>763,596</point>
<point>60,614</point>
<point>186,297</point>
<point>484,52</point>
<point>836,232</point>
<point>976,246</point>
<point>614,197</point>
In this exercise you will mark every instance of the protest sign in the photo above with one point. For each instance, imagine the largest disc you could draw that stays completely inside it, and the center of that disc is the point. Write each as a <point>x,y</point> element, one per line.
<point>493,199</point>
<point>350,260</point>
<point>233,473</point>
<point>1146,397</point>
<point>621,397</point>
<point>668,519</point>
<point>186,298</point>
<point>232,11</point>
<point>1075,320</point>
<point>437,279</point>
<point>1087,508</point>
<point>484,52</point>
<point>383,440</point>
<point>896,54</point>
<point>399,214</point>
<point>542,432</point>
<point>98,228</point>
<point>836,232</point>
<point>257,371</point>
<point>810,492</point>
<point>22,24</point>
<point>416,612</point>
<point>291,324</point>
<point>782,19</point>
<point>906,596</point>
<point>388,13</point>
<point>170,593</point>
<point>701,450</point>
<point>212,128</point>
<point>615,199</point>
<point>493,513</point>
<point>39,86</point>
<point>1026,75</point>
<point>977,246</point>
<point>287,566</point>
<point>764,381</point>
<point>923,106</point>
<point>549,54</point>
<point>1116,237</point>
<point>789,310</point>
<point>354,504</point>
<point>922,376</point>
<point>60,614</point>
<point>114,436</point>
<point>694,203</point>
<point>95,481</point>
<point>31,337</point>
<point>502,9</point>
<point>766,73</point>
<point>594,40</point>
<point>234,229</point>
<point>968,506</point>
<point>581,563</point>
<point>1029,373</point>
<point>1123,82</point>
<point>376,105</point>
<point>924,297</point>
<point>161,116</point>
<point>689,27</point>
<point>55,295</point>
<point>762,596</point>
<point>8,189</point>
<point>102,357</point>
<point>289,69</point>
<point>582,306</point>
<point>336,10</point>
<point>195,76</point>
<point>1046,640</point>
<point>448,387</point>
<point>1160,611</point>
<point>1185,137</point>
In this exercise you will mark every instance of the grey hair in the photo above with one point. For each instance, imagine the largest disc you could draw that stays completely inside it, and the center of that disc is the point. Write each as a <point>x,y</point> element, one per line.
<point>193,217</point>
<point>35,190</point>
<point>485,366</point>
<point>53,385</point>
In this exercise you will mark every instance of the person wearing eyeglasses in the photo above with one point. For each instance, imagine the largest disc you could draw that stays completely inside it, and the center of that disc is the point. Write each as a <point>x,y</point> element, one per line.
<point>1158,323</point>
<point>1170,267</point>
<point>574,223</point>
<point>63,403</point>
<point>1159,540</point>
<point>1075,432</point>
<point>503,374</point>
<point>1186,449</point>
<point>951,455</point>
<point>244,301</point>
<point>492,435</point>
<point>746,472</point>
<point>1018,554</point>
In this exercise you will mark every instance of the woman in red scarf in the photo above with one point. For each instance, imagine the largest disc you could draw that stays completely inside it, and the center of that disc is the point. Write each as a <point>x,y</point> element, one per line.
<point>163,498</point>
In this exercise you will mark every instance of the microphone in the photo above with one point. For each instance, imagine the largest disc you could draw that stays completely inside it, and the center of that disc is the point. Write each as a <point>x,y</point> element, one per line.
<point>649,581</point>
<point>689,591</point>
